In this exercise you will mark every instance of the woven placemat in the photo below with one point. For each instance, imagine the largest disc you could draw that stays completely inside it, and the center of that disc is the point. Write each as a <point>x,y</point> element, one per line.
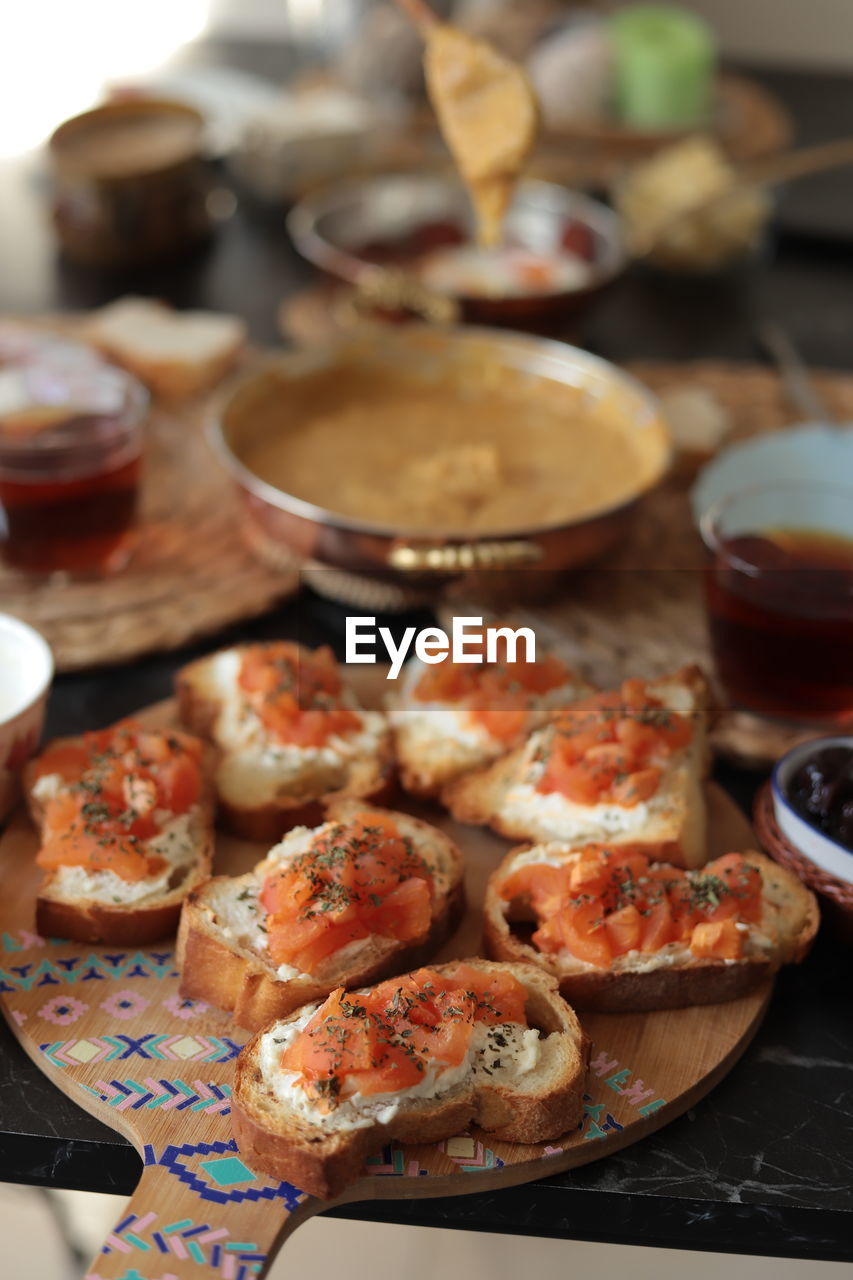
<point>190,576</point>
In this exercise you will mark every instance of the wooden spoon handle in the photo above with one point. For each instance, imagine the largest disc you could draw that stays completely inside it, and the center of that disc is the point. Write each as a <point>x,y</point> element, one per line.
<point>419,12</point>
<point>789,165</point>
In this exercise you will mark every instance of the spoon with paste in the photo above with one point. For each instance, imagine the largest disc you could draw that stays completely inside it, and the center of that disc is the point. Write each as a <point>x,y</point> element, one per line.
<point>486,110</point>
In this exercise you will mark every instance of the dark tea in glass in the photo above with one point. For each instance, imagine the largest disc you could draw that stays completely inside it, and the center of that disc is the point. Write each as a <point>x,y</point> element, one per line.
<point>779,589</point>
<point>70,457</point>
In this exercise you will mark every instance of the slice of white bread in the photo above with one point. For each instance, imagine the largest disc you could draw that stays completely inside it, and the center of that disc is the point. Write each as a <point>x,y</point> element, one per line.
<point>674,976</point>
<point>221,953</point>
<point>672,821</point>
<point>536,1105</point>
<point>98,906</point>
<point>264,790</point>
<point>436,742</point>
<point>176,354</point>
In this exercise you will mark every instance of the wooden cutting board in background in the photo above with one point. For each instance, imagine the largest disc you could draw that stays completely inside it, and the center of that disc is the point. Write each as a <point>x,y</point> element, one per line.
<point>110,1029</point>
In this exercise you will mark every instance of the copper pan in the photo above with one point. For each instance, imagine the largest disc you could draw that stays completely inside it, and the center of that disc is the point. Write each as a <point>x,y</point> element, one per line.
<point>281,527</point>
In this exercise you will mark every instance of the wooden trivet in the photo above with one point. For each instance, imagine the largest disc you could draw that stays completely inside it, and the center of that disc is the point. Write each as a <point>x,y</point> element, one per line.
<point>190,576</point>
<point>108,1027</point>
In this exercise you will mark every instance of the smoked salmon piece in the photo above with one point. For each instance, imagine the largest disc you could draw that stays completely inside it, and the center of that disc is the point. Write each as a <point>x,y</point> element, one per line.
<point>384,1039</point>
<point>70,838</point>
<point>120,787</point>
<point>604,903</point>
<point>296,693</point>
<point>718,938</point>
<point>610,748</point>
<point>360,880</point>
<point>498,696</point>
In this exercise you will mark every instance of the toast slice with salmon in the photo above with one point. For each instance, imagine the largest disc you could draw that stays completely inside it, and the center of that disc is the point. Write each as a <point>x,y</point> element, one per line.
<point>417,1059</point>
<point>454,717</point>
<point>125,818</point>
<point>622,767</point>
<point>366,894</point>
<point>290,736</point>
<point>624,934</point>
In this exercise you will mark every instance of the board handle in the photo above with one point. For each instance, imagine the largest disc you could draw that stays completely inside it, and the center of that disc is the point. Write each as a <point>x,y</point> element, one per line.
<point>167,1232</point>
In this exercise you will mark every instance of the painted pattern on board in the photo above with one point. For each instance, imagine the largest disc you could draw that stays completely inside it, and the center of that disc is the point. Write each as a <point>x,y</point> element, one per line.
<point>152,1051</point>
<point>185,1045</point>
<point>150,1241</point>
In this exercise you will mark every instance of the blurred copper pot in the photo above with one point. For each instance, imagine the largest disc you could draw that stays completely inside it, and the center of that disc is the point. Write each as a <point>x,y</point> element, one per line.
<point>280,526</point>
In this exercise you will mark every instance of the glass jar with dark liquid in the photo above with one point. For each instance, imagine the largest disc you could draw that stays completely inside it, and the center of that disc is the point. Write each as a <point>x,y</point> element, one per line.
<point>70,458</point>
<point>779,589</point>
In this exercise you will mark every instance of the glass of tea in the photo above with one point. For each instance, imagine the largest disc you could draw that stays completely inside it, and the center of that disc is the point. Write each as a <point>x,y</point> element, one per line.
<point>70,458</point>
<point>779,589</point>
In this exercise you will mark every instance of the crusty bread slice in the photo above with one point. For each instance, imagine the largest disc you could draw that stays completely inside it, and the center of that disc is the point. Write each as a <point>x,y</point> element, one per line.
<point>61,913</point>
<point>176,354</point>
<point>790,920</point>
<point>672,823</point>
<point>544,1103</point>
<point>217,966</point>
<point>436,742</point>
<point>253,800</point>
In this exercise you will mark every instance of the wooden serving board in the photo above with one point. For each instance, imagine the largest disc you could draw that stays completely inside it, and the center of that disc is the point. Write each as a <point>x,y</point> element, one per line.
<point>110,1029</point>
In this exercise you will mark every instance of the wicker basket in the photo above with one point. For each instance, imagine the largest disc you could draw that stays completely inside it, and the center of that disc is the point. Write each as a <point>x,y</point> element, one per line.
<point>837,895</point>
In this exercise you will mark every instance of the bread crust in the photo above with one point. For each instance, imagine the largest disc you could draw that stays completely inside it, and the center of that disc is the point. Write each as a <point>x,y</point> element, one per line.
<point>246,985</point>
<point>269,823</point>
<point>701,981</point>
<point>116,924</point>
<point>678,837</point>
<point>266,823</point>
<point>323,1164</point>
<point>130,926</point>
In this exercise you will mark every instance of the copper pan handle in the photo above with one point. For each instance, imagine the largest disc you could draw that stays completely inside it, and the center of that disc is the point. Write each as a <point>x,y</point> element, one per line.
<point>464,556</point>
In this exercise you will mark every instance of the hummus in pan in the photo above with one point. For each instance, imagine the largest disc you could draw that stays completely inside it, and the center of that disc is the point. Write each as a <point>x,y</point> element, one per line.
<point>481,449</point>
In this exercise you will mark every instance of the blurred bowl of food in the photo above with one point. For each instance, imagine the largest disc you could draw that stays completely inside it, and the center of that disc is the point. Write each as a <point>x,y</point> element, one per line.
<point>420,452</point>
<point>26,670</point>
<point>561,248</point>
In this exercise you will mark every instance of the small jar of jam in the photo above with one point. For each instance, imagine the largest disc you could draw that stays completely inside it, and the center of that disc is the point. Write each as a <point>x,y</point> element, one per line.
<point>71,430</point>
<point>779,589</point>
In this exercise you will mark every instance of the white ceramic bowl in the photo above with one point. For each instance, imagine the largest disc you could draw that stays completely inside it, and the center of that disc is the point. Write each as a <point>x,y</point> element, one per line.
<point>26,670</point>
<point>819,848</point>
<point>808,454</point>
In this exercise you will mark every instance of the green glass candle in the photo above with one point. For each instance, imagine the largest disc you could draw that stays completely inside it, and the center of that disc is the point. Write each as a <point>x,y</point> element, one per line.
<point>664,60</point>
